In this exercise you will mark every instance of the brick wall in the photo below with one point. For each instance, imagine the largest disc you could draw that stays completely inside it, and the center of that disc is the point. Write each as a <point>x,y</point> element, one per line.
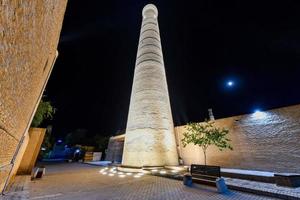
<point>29,33</point>
<point>267,141</point>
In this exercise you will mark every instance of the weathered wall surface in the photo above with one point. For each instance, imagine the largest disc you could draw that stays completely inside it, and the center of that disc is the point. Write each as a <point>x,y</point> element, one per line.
<point>36,136</point>
<point>115,149</point>
<point>267,141</point>
<point>29,33</point>
<point>17,161</point>
<point>19,156</point>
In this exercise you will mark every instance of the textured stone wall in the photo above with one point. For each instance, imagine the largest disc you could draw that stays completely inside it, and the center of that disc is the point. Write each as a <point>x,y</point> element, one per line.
<point>29,33</point>
<point>17,161</point>
<point>267,141</point>
<point>149,139</point>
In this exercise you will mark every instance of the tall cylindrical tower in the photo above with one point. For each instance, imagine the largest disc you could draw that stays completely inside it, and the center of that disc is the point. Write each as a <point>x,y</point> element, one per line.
<point>149,138</point>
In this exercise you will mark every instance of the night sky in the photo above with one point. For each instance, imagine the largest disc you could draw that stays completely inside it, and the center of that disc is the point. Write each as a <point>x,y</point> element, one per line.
<point>205,44</point>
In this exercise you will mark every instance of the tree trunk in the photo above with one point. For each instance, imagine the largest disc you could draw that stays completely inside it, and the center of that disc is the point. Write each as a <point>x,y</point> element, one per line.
<point>204,152</point>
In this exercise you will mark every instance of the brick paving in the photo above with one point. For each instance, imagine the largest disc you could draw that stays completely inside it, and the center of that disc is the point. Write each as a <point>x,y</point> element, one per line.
<point>283,192</point>
<point>80,181</point>
<point>255,187</point>
<point>18,190</point>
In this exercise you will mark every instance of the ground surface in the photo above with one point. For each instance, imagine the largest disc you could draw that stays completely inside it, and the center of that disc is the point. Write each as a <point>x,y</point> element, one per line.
<point>82,181</point>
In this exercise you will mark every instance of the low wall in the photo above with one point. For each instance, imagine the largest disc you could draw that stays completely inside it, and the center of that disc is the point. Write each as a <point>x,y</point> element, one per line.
<point>97,156</point>
<point>268,141</point>
<point>36,136</point>
<point>115,149</point>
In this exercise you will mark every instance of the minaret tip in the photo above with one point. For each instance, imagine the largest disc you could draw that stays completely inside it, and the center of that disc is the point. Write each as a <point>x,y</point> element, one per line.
<point>150,10</point>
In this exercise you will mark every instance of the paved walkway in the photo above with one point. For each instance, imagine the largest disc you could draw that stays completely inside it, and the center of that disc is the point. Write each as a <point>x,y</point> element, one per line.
<point>255,187</point>
<point>259,187</point>
<point>81,181</point>
<point>19,190</point>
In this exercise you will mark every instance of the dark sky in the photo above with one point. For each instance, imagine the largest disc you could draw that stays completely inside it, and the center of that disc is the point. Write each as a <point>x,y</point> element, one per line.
<point>254,43</point>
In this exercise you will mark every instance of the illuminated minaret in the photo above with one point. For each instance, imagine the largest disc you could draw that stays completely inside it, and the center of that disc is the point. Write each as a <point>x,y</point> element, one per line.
<point>149,138</point>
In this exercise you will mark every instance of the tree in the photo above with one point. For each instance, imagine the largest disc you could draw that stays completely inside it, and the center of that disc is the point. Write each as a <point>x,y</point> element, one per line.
<point>44,111</point>
<point>47,143</point>
<point>78,136</point>
<point>101,142</point>
<point>205,134</point>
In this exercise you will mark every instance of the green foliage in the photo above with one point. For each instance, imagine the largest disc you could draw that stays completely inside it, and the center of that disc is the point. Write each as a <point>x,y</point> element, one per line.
<point>44,111</point>
<point>101,142</point>
<point>205,134</point>
<point>81,137</point>
<point>47,143</point>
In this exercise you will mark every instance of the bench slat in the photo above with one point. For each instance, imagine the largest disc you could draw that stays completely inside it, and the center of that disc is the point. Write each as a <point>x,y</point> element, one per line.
<point>204,170</point>
<point>200,176</point>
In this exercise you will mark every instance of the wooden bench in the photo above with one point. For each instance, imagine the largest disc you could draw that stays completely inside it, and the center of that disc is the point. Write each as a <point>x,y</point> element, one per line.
<point>205,174</point>
<point>210,175</point>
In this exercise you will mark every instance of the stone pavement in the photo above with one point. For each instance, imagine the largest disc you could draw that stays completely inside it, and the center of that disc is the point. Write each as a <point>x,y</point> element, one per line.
<point>18,190</point>
<point>80,181</point>
<point>250,186</point>
<point>264,188</point>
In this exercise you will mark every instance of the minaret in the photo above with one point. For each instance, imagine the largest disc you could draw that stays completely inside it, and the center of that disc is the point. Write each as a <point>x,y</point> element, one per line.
<point>211,114</point>
<point>149,138</point>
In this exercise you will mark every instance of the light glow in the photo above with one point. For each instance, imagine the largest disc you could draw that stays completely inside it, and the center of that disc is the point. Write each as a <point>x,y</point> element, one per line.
<point>162,172</point>
<point>230,83</point>
<point>259,114</point>
<point>110,174</point>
